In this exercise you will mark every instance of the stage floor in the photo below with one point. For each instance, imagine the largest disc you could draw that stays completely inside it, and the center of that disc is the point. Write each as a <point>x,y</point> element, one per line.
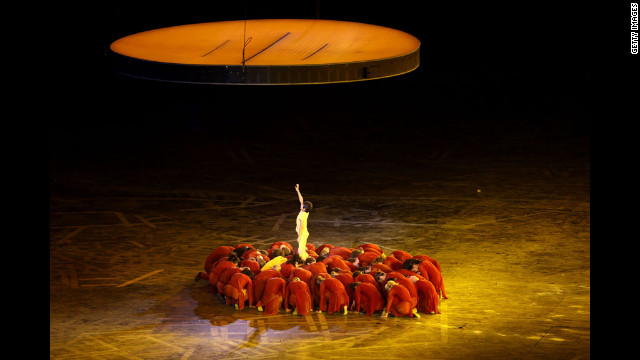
<point>506,215</point>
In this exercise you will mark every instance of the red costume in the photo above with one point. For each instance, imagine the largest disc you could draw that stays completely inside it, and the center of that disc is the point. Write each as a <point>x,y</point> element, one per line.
<point>220,266</point>
<point>427,297</point>
<point>369,298</point>
<point>252,265</point>
<point>432,260</point>
<point>314,287</point>
<point>335,262</point>
<point>382,267</point>
<point>367,278</point>
<point>333,296</point>
<point>428,270</point>
<point>366,258</point>
<point>272,296</point>
<point>238,290</point>
<point>399,301</point>
<point>404,281</point>
<point>298,295</point>
<point>278,244</point>
<point>401,255</point>
<point>321,247</point>
<point>218,253</point>
<point>260,281</point>
<point>346,279</point>
<point>285,269</point>
<point>303,274</point>
<point>317,268</point>
<point>393,263</point>
<point>224,278</point>
<point>370,247</point>
<point>344,252</point>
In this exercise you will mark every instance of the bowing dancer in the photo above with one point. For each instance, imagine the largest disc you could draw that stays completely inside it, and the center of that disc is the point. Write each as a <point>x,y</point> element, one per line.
<point>333,295</point>
<point>368,297</point>
<point>298,295</point>
<point>238,290</point>
<point>427,269</point>
<point>399,301</point>
<point>301,224</point>
<point>272,296</point>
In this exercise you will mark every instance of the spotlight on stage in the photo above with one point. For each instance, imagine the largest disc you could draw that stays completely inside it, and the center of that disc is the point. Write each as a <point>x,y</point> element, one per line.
<point>267,52</point>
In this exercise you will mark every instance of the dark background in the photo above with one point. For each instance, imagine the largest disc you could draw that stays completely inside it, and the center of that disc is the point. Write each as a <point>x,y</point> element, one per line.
<point>481,63</point>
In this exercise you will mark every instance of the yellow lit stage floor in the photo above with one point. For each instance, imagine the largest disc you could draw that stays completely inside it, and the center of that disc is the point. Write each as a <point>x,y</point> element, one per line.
<point>507,218</point>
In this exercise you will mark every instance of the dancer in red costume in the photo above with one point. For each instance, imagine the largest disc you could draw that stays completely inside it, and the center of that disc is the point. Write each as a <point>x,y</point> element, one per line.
<point>218,267</point>
<point>298,295</point>
<point>238,290</point>
<point>429,271</point>
<point>217,253</point>
<point>398,301</point>
<point>260,281</point>
<point>272,296</point>
<point>367,297</point>
<point>300,273</point>
<point>427,295</point>
<point>333,296</point>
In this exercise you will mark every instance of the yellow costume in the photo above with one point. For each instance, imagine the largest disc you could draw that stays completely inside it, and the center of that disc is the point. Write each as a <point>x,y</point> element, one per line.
<point>301,226</point>
<point>278,260</point>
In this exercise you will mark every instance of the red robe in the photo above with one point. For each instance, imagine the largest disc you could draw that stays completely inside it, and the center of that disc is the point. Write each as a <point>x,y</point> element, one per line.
<point>224,278</point>
<point>298,295</point>
<point>335,262</point>
<point>315,288</point>
<point>218,253</point>
<point>409,273</point>
<point>342,251</point>
<point>277,244</point>
<point>401,255</point>
<point>218,268</point>
<point>238,290</point>
<point>317,268</point>
<point>367,278</point>
<point>252,265</point>
<point>404,281</point>
<point>333,292</point>
<point>285,270</point>
<point>369,298</point>
<point>260,281</point>
<point>399,301</point>
<point>321,247</point>
<point>346,279</point>
<point>427,297</point>
<point>382,267</point>
<point>303,274</point>
<point>432,260</point>
<point>366,258</point>
<point>273,295</point>
<point>428,270</point>
<point>393,263</point>
<point>370,247</point>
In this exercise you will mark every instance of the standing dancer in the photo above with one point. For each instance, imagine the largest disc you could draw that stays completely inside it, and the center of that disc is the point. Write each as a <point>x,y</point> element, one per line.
<point>301,224</point>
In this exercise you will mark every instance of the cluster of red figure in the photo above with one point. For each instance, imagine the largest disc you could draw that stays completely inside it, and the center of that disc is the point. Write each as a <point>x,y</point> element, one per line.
<point>331,279</point>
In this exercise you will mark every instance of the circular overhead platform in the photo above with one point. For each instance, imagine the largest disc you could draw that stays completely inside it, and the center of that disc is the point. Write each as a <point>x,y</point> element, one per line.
<point>277,51</point>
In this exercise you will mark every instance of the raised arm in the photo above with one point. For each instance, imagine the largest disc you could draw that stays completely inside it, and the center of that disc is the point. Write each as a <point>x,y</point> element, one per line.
<point>299,195</point>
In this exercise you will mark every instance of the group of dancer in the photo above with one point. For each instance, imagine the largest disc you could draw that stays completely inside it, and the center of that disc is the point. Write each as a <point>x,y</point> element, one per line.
<point>324,278</point>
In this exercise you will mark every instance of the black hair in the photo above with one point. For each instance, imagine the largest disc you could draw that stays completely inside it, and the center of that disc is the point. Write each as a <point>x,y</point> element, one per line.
<point>247,272</point>
<point>308,206</point>
<point>355,284</point>
<point>408,264</point>
<point>310,260</point>
<point>295,258</point>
